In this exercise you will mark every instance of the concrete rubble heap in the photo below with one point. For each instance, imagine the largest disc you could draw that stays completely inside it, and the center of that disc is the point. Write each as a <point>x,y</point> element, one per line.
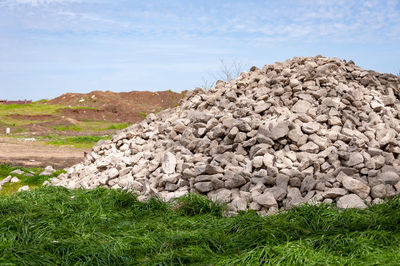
<point>307,130</point>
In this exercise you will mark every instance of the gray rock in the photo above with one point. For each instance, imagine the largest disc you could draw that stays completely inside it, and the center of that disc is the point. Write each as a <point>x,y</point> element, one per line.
<point>49,170</point>
<point>355,186</point>
<point>293,198</point>
<point>278,192</point>
<point>297,137</point>
<point>169,163</point>
<point>279,131</point>
<point>268,159</point>
<point>334,193</point>
<point>221,195</point>
<point>310,127</point>
<point>351,201</point>
<point>240,204</point>
<point>212,169</point>
<point>113,173</point>
<point>266,199</point>
<point>389,177</point>
<point>308,184</point>
<point>355,158</point>
<point>294,83</point>
<point>301,107</point>
<point>14,180</point>
<point>310,147</point>
<point>17,172</point>
<point>397,186</point>
<point>235,181</point>
<point>258,161</point>
<point>378,191</point>
<point>23,188</point>
<point>295,182</point>
<point>263,177</point>
<point>204,186</point>
<point>261,107</point>
<point>5,180</point>
<point>282,181</point>
<point>137,186</point>
<point>201,117</point>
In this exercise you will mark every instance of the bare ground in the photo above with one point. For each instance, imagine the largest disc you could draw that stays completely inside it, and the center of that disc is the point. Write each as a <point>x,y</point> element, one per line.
<point>27,153</point>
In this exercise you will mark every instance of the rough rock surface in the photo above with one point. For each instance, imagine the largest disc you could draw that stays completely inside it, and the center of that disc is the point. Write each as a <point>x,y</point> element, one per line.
<point>310,129</point>
<point>49,170</point>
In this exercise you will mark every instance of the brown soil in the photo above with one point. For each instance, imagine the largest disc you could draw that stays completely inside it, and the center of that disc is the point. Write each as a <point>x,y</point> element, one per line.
<point>83,114</point>
<point>32,117</point>
<point>127,107</point>
<point>37,154</point>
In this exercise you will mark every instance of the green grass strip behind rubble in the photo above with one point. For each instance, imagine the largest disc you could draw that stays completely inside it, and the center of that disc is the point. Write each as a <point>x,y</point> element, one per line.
<point>56,226</point>
<point>84,142</point>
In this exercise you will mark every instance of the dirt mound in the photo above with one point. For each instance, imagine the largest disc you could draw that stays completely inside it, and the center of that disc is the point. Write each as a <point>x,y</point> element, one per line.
<point>307,130</point>
<point>119,107</point>
<point>99,115</point>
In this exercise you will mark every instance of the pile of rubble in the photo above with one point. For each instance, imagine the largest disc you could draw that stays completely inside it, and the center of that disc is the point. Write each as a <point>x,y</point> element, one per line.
<point>310,129</point>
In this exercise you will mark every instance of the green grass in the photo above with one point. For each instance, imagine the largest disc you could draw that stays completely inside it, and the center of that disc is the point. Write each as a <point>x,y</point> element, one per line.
<point>142,115</point>
<point>37,108</point>
<point>29,109</point>
<point>119,126</point>
<point>77,141</point>
<point>67,128</point>
<point>99,126</point>
<point>96,126</point>
<point>56,226</point>
<point>83,142</point>
<point>42,101</point>
<point>36,180</point>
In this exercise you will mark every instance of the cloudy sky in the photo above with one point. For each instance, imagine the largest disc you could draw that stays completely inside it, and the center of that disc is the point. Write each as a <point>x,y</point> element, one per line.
<point>49,47</point>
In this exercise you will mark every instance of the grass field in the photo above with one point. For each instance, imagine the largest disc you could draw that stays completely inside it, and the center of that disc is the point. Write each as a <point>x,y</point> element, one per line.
<point>95,126</point>
<point>56,226</point>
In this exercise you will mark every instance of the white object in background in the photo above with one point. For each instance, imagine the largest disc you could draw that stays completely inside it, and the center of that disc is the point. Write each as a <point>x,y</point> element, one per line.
<point>8,131</point>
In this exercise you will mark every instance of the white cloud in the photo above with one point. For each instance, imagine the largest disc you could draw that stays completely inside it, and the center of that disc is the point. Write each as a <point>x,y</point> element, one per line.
<point>248,20</point>
<point>43,2</point>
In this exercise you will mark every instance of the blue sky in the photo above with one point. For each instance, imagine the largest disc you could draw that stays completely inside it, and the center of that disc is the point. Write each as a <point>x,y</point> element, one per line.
<point>50,47</point>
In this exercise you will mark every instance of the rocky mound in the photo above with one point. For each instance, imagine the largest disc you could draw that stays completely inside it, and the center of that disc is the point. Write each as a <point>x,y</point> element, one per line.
<point>310,129</point>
